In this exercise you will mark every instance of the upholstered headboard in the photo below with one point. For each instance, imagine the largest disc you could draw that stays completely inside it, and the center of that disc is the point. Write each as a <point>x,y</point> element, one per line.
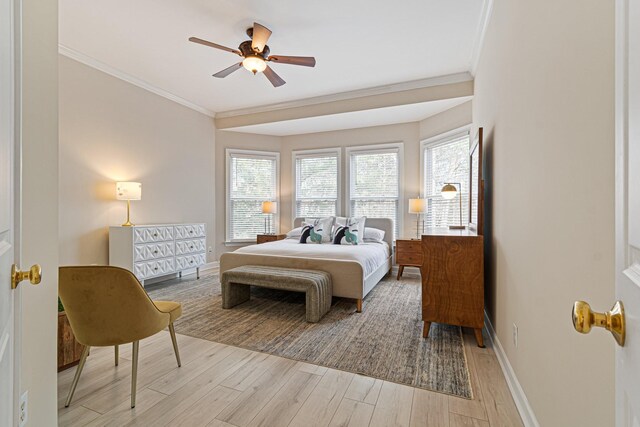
<point>384,224</point>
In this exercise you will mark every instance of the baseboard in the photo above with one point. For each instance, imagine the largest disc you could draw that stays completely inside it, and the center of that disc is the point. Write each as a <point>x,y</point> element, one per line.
<point>210,266</point>
<point>524,408</point>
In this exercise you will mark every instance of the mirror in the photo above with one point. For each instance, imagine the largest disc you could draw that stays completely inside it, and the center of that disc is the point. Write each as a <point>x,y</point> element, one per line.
<point>476,196</point>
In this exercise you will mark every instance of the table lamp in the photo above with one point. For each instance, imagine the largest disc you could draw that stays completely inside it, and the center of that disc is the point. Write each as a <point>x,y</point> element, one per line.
<point>268,208</point>
<point>449,191</point>
<point>419,207</point>
<point>128,191</point>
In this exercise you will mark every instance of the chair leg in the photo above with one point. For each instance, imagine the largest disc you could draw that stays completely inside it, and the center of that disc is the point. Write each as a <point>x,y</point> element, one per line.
<point>83,358</point>
<point>134,373</point>
<point>172,331</point>
<point>116,350</point>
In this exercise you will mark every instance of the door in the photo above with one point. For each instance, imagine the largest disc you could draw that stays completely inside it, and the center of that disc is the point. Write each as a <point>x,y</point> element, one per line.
<point>7,138</point>
<point>628,208</point>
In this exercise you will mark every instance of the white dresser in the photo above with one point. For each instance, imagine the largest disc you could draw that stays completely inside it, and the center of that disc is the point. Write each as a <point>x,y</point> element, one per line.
<point>158,250</point>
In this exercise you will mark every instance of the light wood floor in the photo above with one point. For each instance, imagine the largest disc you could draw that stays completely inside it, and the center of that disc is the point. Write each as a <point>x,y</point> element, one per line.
<point>219,385</point>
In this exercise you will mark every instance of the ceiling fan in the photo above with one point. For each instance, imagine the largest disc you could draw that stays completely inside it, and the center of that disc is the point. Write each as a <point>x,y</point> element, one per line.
<point>256,55</point>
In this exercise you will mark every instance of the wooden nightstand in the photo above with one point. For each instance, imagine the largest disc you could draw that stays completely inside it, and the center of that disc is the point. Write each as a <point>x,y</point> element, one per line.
<point>408,254</point>
<point>264,238</point>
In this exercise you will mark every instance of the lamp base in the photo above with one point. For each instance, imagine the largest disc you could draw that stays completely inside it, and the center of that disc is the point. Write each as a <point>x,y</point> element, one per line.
<point>128,224</point>
<point>457,227</point>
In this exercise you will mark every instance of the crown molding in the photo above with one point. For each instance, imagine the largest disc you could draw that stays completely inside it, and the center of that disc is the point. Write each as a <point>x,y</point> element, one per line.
<point>101,66</point>
<point>361,93</point>
<point>485,17</point>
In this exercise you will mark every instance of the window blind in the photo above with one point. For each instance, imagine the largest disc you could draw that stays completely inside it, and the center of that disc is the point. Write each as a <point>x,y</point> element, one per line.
<point>316,181</point>
<point>375,184</point>
<point>252,180</point>
<point>446,161</point>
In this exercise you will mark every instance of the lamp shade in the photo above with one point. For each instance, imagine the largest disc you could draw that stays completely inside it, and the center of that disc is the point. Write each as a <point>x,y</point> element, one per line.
<point>128,191</point>
<point>417,206</point>
<point>254,63</point>
<point>449,191</point>
<point>269,207</point>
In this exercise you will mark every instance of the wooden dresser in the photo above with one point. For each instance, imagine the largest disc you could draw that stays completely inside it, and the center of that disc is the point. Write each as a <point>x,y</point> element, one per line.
<point>453,279</point>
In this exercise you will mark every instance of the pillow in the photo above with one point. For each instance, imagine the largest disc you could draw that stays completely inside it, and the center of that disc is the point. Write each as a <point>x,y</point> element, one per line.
<point>373,234</point>
<point>317,230</point>
<point>350,231</point>
<point>295,233</point>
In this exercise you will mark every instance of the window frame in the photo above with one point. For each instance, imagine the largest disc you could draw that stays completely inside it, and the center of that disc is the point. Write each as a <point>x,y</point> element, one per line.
<point>435,141</point>
<point>256,154</point>
<point>395,147</point>
<point>294,178</point>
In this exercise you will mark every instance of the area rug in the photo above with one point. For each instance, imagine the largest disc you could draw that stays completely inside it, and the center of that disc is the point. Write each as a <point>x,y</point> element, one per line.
<point>384,341</point>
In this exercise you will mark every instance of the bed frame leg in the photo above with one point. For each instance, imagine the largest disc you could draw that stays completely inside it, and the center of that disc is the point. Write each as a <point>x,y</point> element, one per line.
<point>359,305</point>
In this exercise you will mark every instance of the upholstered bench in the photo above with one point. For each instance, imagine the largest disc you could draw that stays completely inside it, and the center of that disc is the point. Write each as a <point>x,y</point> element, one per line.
<point>315,284</point>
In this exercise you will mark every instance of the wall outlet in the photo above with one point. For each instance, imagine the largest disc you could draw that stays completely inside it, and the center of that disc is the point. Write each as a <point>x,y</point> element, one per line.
<point>515,335</point>
<point>210,249</point>
<point>24,409</point>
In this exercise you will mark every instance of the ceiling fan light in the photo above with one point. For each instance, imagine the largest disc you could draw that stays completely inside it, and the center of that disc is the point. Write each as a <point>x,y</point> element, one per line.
<point>255,64</point>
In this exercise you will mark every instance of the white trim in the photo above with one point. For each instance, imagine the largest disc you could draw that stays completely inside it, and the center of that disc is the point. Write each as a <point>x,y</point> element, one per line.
<point>313,153</point>
<point>395,146</point>
<point>435,140</point>
<point>101,66</point>
<point>524,408</point>
<point>229,152</point>
<point>341,96</point>
<point>485,17</point>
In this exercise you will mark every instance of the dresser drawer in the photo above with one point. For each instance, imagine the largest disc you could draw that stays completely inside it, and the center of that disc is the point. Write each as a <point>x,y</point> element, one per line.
<point>409,258</point>
<point>152,234</point>
<point>160,267</point>
<point>189,231</point>
<point>184,247</point>
<point>409,246</point>
<point>148,251</point>
<point>190,261</point>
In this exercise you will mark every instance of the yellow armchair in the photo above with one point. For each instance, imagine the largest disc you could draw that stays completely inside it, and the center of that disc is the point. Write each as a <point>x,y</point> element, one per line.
<point>107,306</point>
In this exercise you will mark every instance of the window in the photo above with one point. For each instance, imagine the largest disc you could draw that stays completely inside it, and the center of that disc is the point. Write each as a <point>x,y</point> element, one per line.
<point>374,182</point>
<point>252,178</point>
<point>316,178</point>
<point>446,160</point>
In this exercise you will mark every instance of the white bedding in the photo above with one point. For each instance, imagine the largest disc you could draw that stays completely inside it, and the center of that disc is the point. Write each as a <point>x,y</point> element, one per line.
<point>369,255</point>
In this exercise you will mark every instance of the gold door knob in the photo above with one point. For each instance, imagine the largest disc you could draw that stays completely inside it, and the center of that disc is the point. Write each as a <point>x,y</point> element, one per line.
<point>612,320</point>
<point>34,275</point>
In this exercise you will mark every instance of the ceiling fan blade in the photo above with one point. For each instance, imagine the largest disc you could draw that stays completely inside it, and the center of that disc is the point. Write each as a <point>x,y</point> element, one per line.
<point>227,71</point>
<point>275,79</point>
<point>214,45</point>
<point>306,61</point>
<point>260,37</point>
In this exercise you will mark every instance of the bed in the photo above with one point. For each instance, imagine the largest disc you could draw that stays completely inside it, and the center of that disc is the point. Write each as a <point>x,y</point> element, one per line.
<point>355,270</point>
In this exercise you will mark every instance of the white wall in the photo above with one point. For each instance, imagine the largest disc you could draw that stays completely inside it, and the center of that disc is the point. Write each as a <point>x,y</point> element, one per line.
<point>113,131</point>
<point>39,216</point>
<point>544,95</point>
<point>453,118</point>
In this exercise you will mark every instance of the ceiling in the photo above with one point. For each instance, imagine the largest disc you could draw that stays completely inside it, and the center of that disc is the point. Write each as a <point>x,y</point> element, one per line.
<point>357,44</point>
<point>353,120</point>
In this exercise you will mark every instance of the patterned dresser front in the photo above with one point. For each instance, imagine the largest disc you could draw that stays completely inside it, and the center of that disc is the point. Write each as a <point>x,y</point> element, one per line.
<point>158,250</point>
